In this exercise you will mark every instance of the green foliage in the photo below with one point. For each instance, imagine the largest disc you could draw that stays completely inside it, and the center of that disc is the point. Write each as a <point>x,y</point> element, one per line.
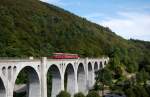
<point>132,67</point>
<point>49,84</point>
<point>92,94</point>
<point>79,95</point>
<point>137,91</point>
<point>98,86</point>
<point>132,61</point>
<point>104,76</point>
<point>63,94</point>
<point>129,93</point>
<point>23,94</point>
<point>142,76</point>
<point>142,92</point>
<point>118,72</point>
<point>43,29</point>
<point>22,78</point>
<point>131,89</point>
<point>147,88</point>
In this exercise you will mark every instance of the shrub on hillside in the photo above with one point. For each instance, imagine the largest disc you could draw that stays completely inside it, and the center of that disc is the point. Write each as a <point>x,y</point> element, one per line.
<point>63,94</point>
<point>79,95</point>
<point>129,92</point>
<point>92,94</point>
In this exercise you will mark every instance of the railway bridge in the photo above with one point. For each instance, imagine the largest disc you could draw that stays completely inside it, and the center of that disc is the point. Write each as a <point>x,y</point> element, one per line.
<point>80,75</point>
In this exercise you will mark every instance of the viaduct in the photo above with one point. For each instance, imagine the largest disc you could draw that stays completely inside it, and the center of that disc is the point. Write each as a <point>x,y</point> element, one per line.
<point>80,75</point>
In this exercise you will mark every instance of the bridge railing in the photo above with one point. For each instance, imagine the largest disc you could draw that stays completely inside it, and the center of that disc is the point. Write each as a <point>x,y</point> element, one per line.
<point>30,59</point>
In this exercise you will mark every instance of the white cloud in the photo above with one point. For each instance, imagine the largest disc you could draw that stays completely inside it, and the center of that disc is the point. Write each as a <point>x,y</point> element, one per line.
<point>131,25</point>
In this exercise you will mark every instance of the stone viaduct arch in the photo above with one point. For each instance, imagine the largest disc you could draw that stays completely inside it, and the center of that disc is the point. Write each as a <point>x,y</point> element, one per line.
<point>70,78</point>
<point>90,75</point>
<point>79,72</point>
<point>10,69</point>
<point>2,88</point>
<point>56,79</point>
<point>33,84</point>
<point>81,78</point>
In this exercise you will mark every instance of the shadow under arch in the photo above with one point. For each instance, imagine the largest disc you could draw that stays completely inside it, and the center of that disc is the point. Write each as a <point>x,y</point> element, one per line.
<point>69,79</point>
<point>2,89</point>
<point>81,78</point>
<point>27,83</point>
<point>105,63</point>
<point>101,65</point>
<point>53,81</point>
<point>95,66</point>
<point>90,75</point>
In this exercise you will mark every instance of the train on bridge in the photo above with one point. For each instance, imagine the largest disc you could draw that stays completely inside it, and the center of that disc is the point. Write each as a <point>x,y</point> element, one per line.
<point>64,56</point>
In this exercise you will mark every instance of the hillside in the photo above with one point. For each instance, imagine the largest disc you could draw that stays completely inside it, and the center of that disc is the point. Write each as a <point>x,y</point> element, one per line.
<point>35,28</point>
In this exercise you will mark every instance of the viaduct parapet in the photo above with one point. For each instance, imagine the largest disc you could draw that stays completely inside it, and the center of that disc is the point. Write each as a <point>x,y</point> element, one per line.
<point>80,75</point>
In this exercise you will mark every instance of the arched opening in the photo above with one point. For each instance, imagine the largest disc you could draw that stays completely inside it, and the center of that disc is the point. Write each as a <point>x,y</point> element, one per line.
<point>53,81</point>
<point>9,73</point>
<point>101,65</point>
<point>81,78</point>
<point>2,89</point>
<point>95,66</point>
<point>4,70</point>
<point>14,69</point>
<point>27,83</point>
<point>70,79</point>
<point>90,76</point>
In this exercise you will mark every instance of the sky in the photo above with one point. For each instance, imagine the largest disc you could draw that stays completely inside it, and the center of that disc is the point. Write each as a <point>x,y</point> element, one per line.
<point>127,18</point>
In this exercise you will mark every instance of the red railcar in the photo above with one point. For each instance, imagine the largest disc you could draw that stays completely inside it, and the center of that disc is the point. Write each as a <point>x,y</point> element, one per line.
<point>65,56</point>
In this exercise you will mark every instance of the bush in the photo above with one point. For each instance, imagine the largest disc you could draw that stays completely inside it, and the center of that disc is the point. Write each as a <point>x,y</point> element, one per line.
<point>142,93</point>
<point>130,93</point>
<point>63,94</point>
<point>79,95</point>
<point>92,94</point>
<point>148,89</point>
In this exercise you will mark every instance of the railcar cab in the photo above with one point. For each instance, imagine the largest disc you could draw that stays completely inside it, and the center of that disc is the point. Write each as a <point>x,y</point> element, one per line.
<point>64,56</point>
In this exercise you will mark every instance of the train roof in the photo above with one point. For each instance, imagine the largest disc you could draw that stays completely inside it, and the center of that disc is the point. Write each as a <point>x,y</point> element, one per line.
<point>64,53</point>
